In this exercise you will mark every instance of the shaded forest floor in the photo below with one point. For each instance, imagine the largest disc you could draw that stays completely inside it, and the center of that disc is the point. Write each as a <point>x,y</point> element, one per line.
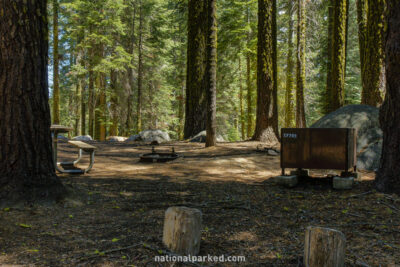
<point>114,217</point>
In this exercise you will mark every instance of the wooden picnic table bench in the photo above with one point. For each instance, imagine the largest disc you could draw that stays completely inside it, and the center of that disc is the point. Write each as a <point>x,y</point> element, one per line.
<point>70,167</point>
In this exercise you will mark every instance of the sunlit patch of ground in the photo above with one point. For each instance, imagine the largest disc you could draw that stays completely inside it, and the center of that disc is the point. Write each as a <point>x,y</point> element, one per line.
<point>121,204</point>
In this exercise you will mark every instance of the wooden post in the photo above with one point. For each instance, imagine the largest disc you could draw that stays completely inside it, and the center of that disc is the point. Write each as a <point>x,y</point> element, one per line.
<point>182,230</point>
<point>324,247</point>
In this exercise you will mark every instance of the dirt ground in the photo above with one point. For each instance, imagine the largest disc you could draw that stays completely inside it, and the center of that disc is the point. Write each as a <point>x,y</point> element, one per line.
<point>114,215</point>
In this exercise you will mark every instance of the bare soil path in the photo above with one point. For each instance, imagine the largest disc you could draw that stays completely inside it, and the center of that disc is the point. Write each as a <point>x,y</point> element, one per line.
<point>115,213</point>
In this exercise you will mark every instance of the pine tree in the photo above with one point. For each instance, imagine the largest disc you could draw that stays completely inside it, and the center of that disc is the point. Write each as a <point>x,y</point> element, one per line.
<point>372,69</point>
<point>26,161</point>
<point>56,88</point>
<point>301,65</point>
<point>289,95</point>
<point>338,56</point>
<point>387,178</point>
<point>211,72</point>
<point>195,116</point>
<point>266,120</point>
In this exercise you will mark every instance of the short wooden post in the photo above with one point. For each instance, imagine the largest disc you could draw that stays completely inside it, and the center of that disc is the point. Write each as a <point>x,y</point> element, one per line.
<point>182,230</point>
<point>324,247</point>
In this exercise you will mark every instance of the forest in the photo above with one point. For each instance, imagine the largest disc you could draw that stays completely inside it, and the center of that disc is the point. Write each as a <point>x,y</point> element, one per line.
<point>200,133</point>
<point>119,67</point>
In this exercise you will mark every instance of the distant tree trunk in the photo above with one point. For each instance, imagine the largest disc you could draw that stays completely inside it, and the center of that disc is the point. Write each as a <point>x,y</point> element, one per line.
<point>78,90</point>
<point>372,72</point>
<point>339,54</point>
<point>301,65</point>
<point>362,9</point>
<point>196,104</point>
<point>114,102</point>
<point>387,178</point>
<point>275,67</point>
<point>289,96</point>
<point>328,89</point>
<point>130,44</point>
<point>100,118</point>
<point>250,109</point>
<point>92,99</point>
<point>140,71</point>
<point>83,110</point>
<point>181,98</point>
<point>266,120</point>
<point>211,73</point>
<point>26,162</point>
<point>56,88</point>
<point>241,98</point>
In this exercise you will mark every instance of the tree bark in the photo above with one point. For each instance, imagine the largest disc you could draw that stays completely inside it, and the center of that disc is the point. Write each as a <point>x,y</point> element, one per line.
<point>338,57</point>
<point>26,162</point>
<point>266,120</point>
<point>372,72</point>
<point>387,178</point>
<point>196,104</point>
<point>328,89</point>
<point>250,109</point>
<point>211,73</point>
<point>56,87</point>
<point>301,65</point>
<point>140,71</point>
<point>241,104</point>
<point>114,102</point>
<point>289,96</point>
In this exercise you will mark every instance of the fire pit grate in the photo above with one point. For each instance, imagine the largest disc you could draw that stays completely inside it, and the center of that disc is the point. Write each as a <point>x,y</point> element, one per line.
<point>154,156</point>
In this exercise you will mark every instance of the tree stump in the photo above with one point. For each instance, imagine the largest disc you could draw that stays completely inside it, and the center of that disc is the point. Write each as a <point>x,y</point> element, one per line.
<point>324,247</point>
<point>182,230</point>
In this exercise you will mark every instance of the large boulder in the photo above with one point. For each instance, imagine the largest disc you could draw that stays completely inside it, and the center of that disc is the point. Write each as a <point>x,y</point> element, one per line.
<point>116,139</point>
<point>151,136</point>
<point>201,137</point>
<point>83,138</point>
<point>365,119</point>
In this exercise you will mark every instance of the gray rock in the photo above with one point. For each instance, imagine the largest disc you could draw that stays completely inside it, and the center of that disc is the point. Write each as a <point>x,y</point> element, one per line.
<point>116,139</point>
<point>83,138</point>
<point>365,119</point>
<point>153,135</point>
<point>201,137</point>
<point>369,158</point>
<point>135,137</point>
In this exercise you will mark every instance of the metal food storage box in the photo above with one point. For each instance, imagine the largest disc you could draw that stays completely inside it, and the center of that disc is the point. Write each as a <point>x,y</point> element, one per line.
<point>318,148</point>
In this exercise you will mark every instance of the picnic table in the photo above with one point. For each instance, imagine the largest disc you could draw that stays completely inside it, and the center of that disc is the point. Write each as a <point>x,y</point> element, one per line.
<point>70,167</point>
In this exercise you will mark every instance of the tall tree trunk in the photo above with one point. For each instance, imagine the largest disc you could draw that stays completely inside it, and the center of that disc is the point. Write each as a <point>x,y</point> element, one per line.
<point>241,104</point>
<point>289,95</point>
<point>362,9</point>
<point>301,64</point>
<point>328,89</point>
<point>211,73</point>
<point>56,87</point>
<point>83,110</point>
<point>266,120</point>
<point>26,162</point>
<point>196,104</point>
<point>181,100</point>
<point>339,54</point>
<point>250,110</point>
<point>78,88</point>
<point>92,95</point>
<point>372,68</point>
<point>387,178</point>
<point>140,71</point>
<point>275,67</point>
<point>114,102</point>
<point>100,118</point>
<point>130,46</point>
